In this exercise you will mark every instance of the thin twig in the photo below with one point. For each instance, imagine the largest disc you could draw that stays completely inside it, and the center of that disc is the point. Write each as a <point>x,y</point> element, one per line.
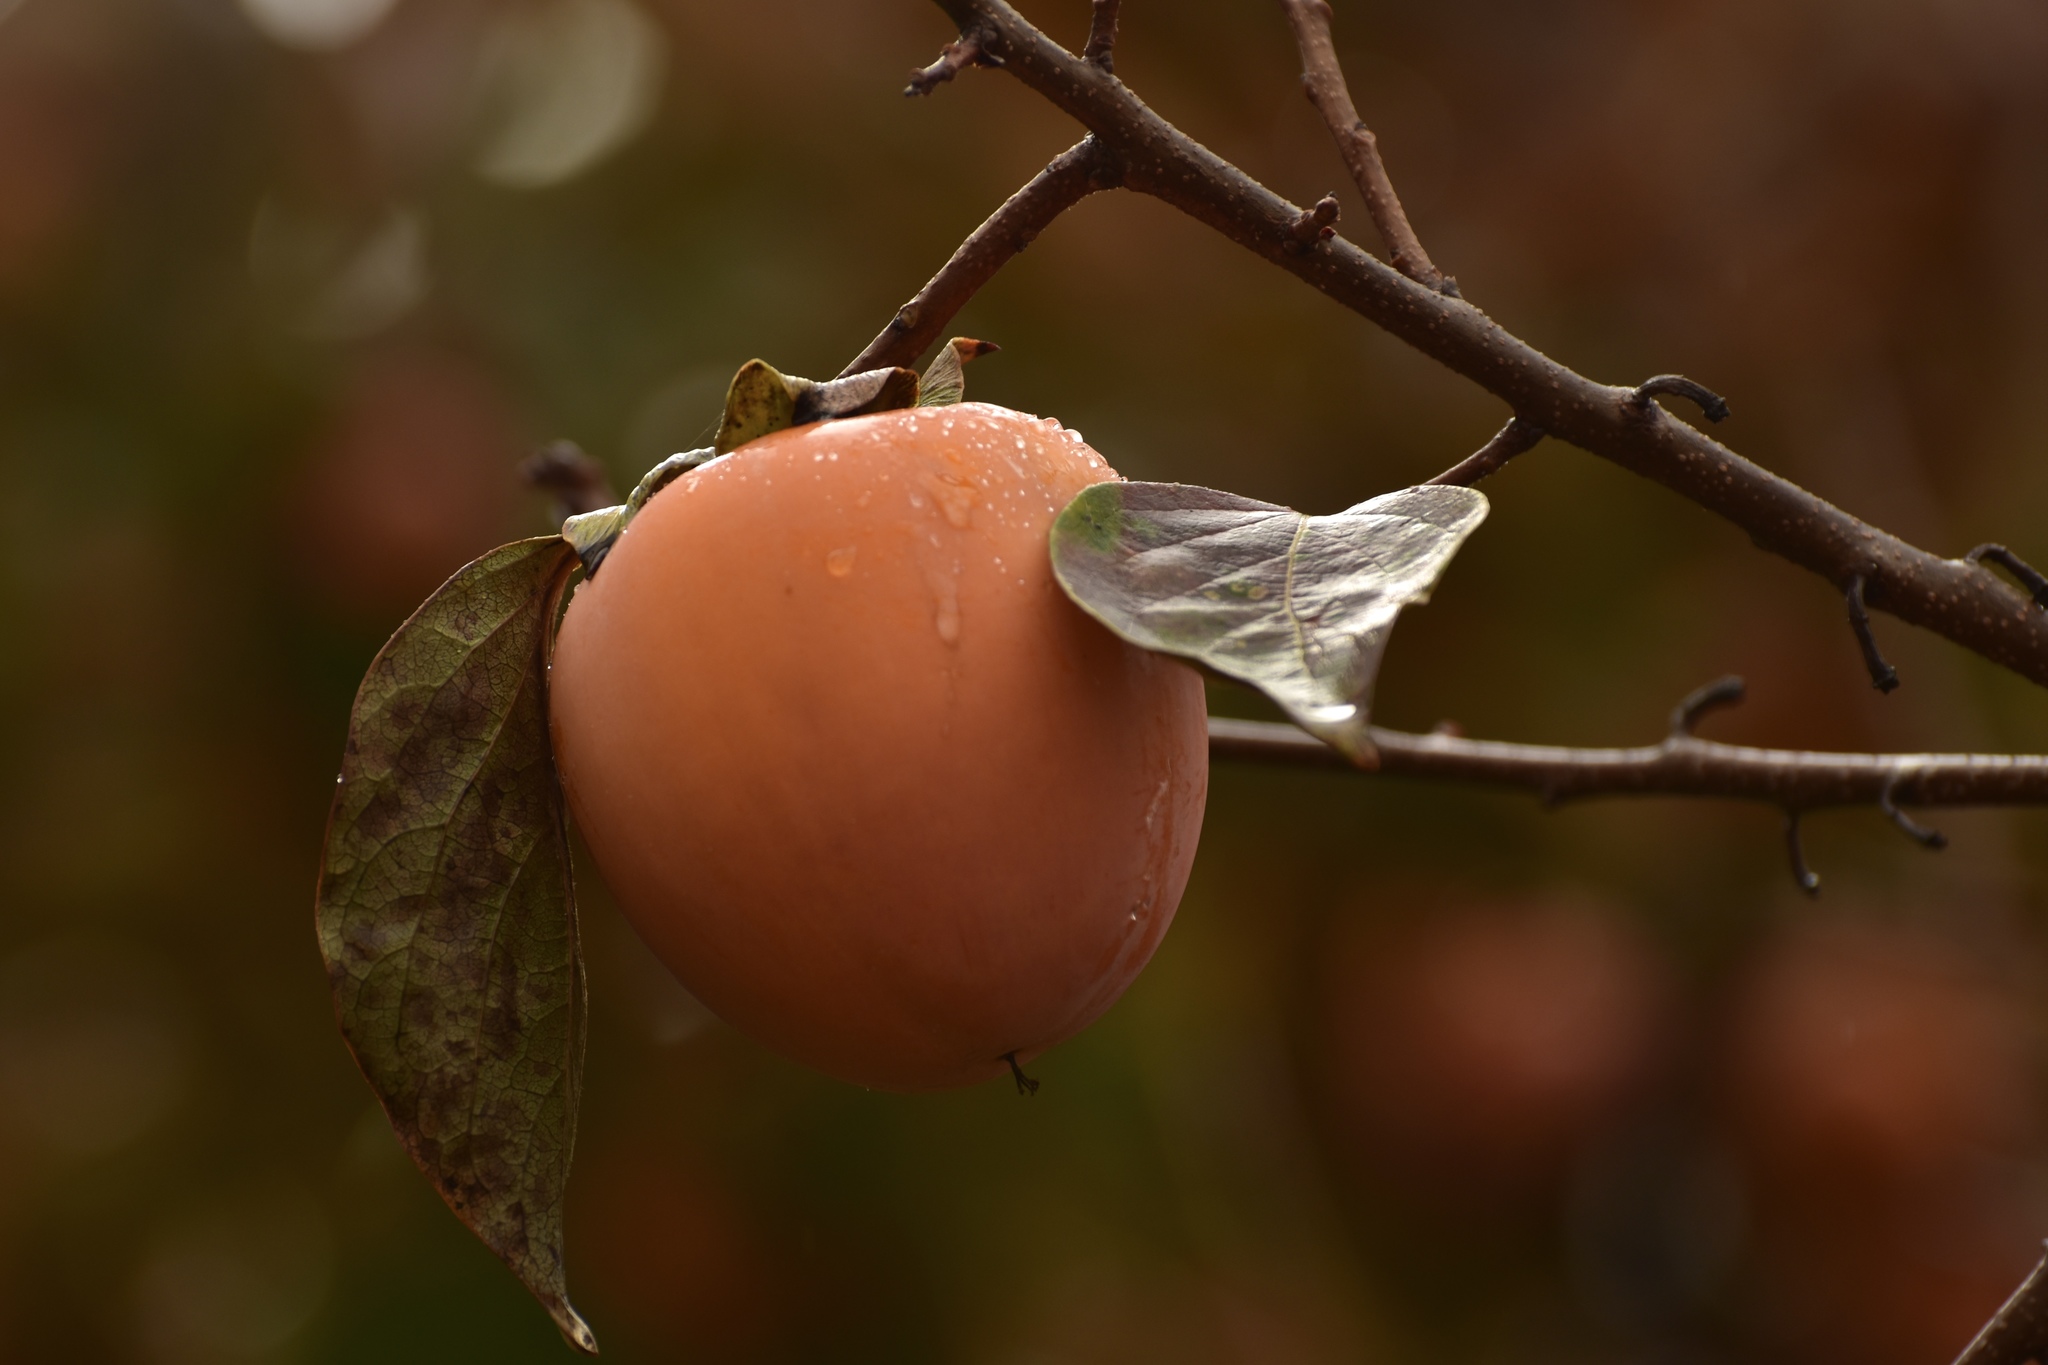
<point>954,58</point>
<point>1883,676</point>
<point>1681,765</point>
<point>1954,599</point>
<point>1803,876</point>
<point>2030,577</point>
<point>1323,78</point>
<point>1908,826</point>
<point>2018,1333</point>
<point>1716,695</point>
<point>1074,174</point>
<point>1518,437</point>
<point>1101,48</point>
<point>1710,403</point>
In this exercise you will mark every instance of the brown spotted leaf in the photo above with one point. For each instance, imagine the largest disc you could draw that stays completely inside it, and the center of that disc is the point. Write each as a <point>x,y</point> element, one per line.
<point>446,912</point>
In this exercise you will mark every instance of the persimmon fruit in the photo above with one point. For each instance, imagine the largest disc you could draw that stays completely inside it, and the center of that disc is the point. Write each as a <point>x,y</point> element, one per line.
<point>853,765</point>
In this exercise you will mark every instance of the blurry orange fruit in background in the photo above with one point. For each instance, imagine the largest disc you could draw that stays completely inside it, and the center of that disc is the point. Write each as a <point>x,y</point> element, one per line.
<point>1477,1049</point>
<point>410,480</point>
<point>1883,1091</point>
<point>675,1252</point>
<point>1868,1055</point>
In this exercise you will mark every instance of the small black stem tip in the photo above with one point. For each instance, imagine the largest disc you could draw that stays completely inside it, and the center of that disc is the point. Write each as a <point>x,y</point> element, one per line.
<point>1025,1085</point>
<point>1712,404</point>
<point>1685,717</point>
<point>1796,851</point>
<point>1883,676</point>
<point>2030,577</point>
<point>1920,834</point>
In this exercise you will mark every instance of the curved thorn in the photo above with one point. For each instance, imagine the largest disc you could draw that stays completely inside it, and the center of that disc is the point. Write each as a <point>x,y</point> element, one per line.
<point>1712,404</point>
<point>1883,676</point>
<point>1801,873</point>
<point>1923,835</point>
<point>2031,578</point>
<point>1726,691</point>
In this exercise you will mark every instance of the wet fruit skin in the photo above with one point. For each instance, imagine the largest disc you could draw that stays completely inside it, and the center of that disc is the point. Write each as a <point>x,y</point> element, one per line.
<point>853,765</point>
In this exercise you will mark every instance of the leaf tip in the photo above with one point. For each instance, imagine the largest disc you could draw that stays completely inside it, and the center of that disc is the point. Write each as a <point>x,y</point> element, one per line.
<point>574,1329</point>
<point>945,381</point>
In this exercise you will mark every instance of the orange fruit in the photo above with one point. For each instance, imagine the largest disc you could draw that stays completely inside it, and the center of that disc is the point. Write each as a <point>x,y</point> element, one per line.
<point>855,767</point>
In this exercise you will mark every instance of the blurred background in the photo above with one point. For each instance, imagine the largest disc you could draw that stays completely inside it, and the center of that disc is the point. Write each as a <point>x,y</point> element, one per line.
<point>287,287</point>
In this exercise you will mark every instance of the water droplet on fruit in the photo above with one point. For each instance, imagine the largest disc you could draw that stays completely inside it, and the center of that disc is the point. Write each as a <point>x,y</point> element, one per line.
<point>839,563</point>
<point>956,501</point>
<point>946,611</point>
<point>918,500</point>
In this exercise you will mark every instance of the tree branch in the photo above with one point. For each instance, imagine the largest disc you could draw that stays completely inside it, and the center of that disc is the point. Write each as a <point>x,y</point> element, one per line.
<point>2018,1333</point>
<point>1323,79</point>
<point>1964,602</point>
<point>1074,174</point>
<point>1101,48</point>
<point>1680,766</point>
<point>953,59</point>
<point>1518,437</point>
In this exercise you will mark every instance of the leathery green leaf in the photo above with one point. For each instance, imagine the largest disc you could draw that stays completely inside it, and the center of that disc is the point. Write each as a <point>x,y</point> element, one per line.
<point>446,912</point>
<point>1299,607</point>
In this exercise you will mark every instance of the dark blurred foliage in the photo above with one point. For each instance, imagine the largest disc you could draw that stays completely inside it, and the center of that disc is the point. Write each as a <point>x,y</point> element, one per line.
<point>288,286</point>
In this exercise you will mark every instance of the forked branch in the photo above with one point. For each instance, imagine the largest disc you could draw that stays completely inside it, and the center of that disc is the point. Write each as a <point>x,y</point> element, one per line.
<point>1323,79</point>
<point>1962,601</point>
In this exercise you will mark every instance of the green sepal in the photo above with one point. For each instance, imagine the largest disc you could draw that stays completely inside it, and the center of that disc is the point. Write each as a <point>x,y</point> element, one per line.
<point>945,379</point>
<point>592,534</point>
<point>763,400</point>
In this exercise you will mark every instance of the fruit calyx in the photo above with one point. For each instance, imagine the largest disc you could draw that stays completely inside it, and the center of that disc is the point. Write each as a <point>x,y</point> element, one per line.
<point>762,400</point>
